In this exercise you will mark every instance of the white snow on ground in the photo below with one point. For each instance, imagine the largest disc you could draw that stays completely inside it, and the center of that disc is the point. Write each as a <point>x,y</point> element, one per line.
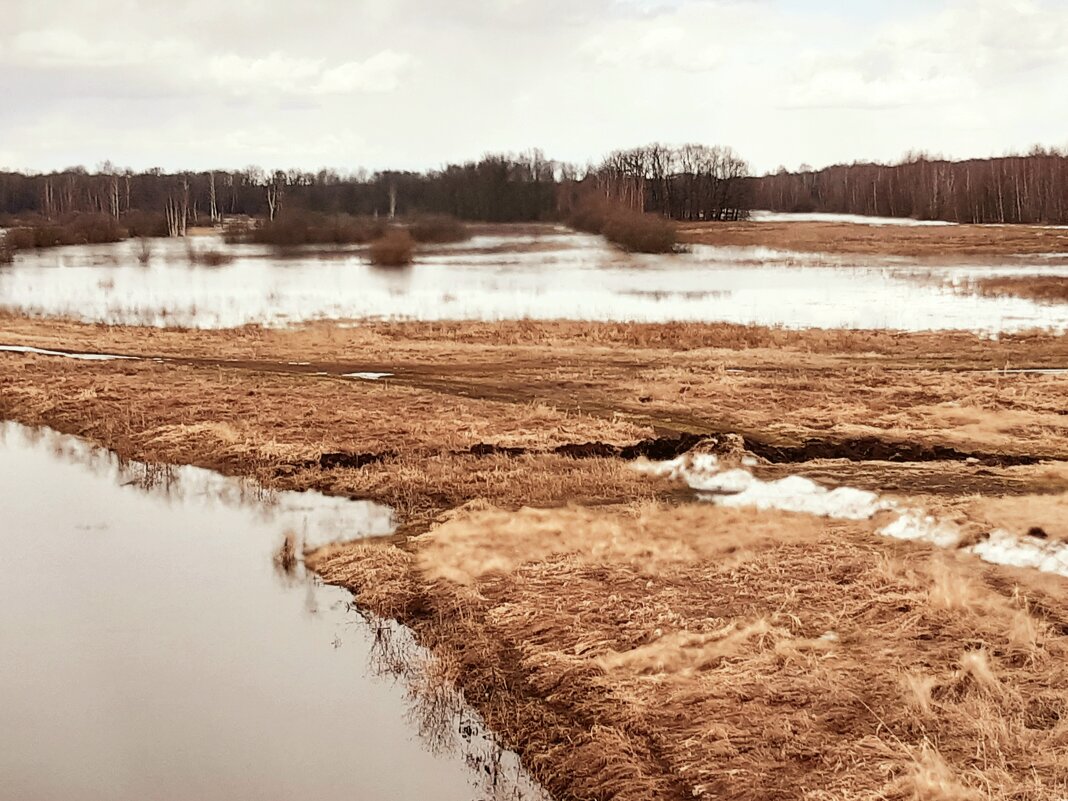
<point>85,357</point>
<point>732,486</point>
<point>367,376</point>
<point>857,219</point>
<point>913,524</point>
<point>1002,548</point>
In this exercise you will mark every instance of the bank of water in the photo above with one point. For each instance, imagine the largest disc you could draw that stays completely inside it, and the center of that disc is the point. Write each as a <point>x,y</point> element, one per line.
<point>152,647</point>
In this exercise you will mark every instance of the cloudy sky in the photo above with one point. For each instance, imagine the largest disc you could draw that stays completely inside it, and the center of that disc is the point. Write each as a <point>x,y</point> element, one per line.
<point>416,83</point>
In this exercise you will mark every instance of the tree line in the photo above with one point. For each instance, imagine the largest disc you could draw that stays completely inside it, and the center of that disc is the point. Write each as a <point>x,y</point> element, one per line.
<point>1031,188</point>
<point>687,183</point>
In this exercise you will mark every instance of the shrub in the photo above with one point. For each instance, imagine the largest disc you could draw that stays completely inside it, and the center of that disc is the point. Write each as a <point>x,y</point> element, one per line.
<point>145,223</point>
<point>7,251</point>
<point>393,249</point>
<point>631,230</point>
<point>438,229</point>
<point>311,228</point>
<point>641,233</point>
<point>209,257</point>
<point>76,229</point>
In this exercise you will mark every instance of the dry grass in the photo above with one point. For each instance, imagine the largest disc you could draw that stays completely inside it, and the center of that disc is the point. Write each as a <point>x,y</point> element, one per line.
<point>1045,289</point>
<point>935,242</point>
<point>653,652</point>
<point>628,648</point>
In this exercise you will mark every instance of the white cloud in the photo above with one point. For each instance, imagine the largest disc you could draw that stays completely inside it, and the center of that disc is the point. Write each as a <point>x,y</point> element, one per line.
<point>58,47</point>
<point>783,81</point>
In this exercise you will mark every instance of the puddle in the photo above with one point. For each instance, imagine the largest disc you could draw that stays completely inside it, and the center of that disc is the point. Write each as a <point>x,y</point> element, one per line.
<point>367,376</point>
<point>554,275</point>
<point>153,649</point>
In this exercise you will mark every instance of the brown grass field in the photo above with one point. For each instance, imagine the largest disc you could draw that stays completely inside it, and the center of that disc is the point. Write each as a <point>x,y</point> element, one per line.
<point>937,242</point>
<point>1045,289</point>
<point>629,641</point>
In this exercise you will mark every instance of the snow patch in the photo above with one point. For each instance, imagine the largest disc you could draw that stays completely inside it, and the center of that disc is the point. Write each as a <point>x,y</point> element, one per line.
<point>913,524</point>
<point>1003,548</point>
<point>85,357</point>
<point>367,376</point>
<point>736,487</point>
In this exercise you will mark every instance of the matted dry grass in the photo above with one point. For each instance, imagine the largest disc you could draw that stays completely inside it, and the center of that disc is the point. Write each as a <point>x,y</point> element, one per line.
<point>651,653</point>
<point>781,386</point>
<point>934,242</point>
<point>1043,288</point>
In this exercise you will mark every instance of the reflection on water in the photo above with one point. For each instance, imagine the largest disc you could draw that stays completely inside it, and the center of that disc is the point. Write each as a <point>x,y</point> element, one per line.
<point>554,275</point>
<point>152,648</point>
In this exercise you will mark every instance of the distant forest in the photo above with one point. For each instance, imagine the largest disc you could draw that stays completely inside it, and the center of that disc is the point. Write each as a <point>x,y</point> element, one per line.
<point>1013,189</point>
<point>691,182</point>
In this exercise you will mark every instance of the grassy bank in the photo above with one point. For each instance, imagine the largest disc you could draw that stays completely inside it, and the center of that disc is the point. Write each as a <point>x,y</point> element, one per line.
<point>696,652</point>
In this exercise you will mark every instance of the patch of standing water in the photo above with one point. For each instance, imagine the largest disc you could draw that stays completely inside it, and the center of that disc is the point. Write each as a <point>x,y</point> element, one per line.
<point>570,276</point>
<point>153,649</point>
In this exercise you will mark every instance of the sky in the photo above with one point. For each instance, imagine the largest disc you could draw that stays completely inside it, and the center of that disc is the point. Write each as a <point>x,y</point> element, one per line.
<point>415,84</point>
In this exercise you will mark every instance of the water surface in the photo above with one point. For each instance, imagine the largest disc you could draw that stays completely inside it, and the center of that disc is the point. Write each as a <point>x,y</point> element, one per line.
<point>556,274</point>
<point>151,649</point>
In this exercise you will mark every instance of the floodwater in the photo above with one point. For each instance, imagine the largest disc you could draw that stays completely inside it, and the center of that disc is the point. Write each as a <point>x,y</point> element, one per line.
<point>553,275</point>
<point>152,649</point>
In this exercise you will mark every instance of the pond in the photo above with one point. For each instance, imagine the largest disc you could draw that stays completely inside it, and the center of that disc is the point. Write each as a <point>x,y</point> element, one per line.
<point>152,647</point>
<point>549,274</point>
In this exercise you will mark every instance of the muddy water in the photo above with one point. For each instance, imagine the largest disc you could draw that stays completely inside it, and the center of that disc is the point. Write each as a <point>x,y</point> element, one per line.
<point>555,274</point>
<point>150,648</point>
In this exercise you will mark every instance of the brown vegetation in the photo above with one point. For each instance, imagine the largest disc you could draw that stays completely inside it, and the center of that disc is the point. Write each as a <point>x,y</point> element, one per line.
<point>294,228</point>
<point>395,248</point>
<point>629,642</point>
<point>75,229</point>
<point>438,229</point>
<point>1045,289</point>
<point>208,257</point>
<point>654,652</point>
<point>944,242</point>
<point>633,231</point>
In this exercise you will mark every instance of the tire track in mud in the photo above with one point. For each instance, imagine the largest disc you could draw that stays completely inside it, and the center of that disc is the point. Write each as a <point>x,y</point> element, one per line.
<point>675,436</point>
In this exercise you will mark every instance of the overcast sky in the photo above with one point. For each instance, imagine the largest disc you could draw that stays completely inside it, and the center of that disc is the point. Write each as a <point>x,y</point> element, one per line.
<point>416,83</point>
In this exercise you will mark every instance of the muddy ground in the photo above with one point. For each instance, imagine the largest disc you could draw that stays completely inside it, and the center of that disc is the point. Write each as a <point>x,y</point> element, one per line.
<point>629,641</point>
<point>949,242</point>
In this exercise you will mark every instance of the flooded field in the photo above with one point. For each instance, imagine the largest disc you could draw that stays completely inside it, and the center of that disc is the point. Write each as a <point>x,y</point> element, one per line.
<point>551,274</point>
<point>153,648</point>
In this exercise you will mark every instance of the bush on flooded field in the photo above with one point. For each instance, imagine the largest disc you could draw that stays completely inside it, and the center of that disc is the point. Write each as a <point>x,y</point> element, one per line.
<point>394,249</point>
<point>144,223</point>
<point>77,229</point>
<point>631,230</point>
<point>311,228</point>
<point>438,229</point>
<point>7,252</point>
